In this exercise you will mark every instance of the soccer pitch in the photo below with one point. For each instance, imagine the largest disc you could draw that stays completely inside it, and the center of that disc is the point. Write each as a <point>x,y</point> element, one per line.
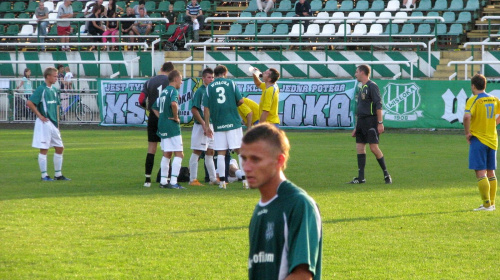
<point>104,225</point>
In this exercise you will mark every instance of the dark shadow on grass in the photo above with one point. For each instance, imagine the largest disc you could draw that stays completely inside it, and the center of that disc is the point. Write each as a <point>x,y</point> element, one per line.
<point>358,219</point>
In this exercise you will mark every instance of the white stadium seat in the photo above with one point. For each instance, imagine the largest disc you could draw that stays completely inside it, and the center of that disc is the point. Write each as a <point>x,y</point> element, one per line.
<point>401,17</point>
<point>354,17</point>
<point>322,15</point>
<point>328,29</point>
<point>359,29</point>
<point>393,5</point>
<point>312,29</point>
<point>369,15</point>
<point>340,31</point>
<point>296,29</point>
<point>26,30</point>
<point>382,17</point>
<point>338,17</point>
<point>376,29</point>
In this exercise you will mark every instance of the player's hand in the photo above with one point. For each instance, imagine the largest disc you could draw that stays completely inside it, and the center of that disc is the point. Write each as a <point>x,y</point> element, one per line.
<point>468,136</point>
<point>44,119</point>
<point>380,128</point>
<point>209,133</point>
<point>176,119</point>
<point>353,133</point>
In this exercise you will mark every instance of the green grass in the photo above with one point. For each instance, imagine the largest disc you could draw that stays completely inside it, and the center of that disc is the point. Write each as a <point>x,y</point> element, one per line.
<point>104,225</point>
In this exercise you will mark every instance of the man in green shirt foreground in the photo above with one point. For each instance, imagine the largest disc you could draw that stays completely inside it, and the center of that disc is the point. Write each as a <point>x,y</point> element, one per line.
<point>285,230</point>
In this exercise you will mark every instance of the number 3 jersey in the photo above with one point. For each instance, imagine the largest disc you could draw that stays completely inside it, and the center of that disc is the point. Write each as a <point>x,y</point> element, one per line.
<point>222,98</point>
<point>284,233</point>
<point>167,128</point>
<point>483,109</point>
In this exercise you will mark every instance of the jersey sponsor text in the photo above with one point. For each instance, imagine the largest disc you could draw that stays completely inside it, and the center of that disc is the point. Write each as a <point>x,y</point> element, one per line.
<point>261,257</point>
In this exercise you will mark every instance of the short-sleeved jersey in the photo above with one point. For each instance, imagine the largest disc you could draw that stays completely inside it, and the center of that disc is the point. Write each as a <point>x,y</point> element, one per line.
<point>222,98</point>
<point>483,109</point>
<point>249,106</point>
<point>167,128</point>
<point>368,100</point>
<point>46,101</point>
<point>152,89</point>
<point>197,101</point>
<point>63,10</point>
<point>269,101</point>
<point>284,233</point>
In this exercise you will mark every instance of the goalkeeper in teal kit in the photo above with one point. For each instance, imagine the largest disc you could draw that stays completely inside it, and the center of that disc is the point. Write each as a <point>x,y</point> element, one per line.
<point>285,231</point>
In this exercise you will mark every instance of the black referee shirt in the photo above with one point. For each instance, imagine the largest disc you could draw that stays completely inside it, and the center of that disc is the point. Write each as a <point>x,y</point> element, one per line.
<point>368,100</point>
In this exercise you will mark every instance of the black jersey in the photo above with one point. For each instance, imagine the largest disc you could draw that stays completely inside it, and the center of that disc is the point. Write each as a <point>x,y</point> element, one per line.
<point>368,100</point>
<point>152,89</point>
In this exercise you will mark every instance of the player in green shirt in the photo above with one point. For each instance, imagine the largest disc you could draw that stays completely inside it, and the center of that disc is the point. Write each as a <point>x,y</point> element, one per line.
<point>285,231</point>
<point>169,130</point>
<point>221,106</point>
<point>44,103</point>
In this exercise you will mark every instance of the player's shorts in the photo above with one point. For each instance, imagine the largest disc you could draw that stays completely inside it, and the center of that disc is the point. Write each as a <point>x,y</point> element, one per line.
<point>366,130</point>
<point>63,30</point>
<point>172,144</point>
<point>199,141</point>
<point>153,128</point>
<point>230,139</point>
<point>46,135</point>
<point>481,157</point>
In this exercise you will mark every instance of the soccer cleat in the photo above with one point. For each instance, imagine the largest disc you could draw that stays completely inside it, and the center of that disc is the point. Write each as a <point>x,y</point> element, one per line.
<point>147,184</point>
<point>222,185</point>
<point>232,179</point>
<point>245,185</point>
<point>177,186</point>
<point>195,182</point>
<point>47,178</point>
<point>356,180</point>
<point>214,183</point>
<point>61,178</point>
<point>482,208</point>
<point>388,179</point>
<point>166,186</point>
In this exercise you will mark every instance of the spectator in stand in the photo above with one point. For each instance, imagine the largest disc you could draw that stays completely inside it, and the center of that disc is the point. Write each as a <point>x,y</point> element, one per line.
<point>26,82</point>
<point>142,27</point>
<point>265,5</point>
<point>137,8</point>
<point>41,13</point>
<point>68,77</point>
<point>111,28</point>
<point>64,27</point>
<point>95,27</point>
<point>112,7</point>
<point>126,26</point>
<point>195,17</point>
<point>170,15</point>
<point>60,76</point>
<point>409,3</point>
<point>303,9</point>
<point>89,11</point>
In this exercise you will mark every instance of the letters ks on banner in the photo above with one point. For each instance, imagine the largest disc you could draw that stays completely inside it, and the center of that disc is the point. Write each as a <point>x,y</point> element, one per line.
<point>313,103</point>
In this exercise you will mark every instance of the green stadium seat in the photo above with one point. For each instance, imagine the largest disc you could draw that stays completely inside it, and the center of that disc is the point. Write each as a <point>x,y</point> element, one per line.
<point>416,14</point>
<point>180,17</point>
<point>9,15</point>
<point>346,6</point>
<point>32,7</point>
<point>77,6</point>
<point>281,29</point>
<point>159,30</point>
<point>52,31</point>
<point>18,7</point>
<point>424,29</point>
<point>121,4</point>
<point>235,29</point>
<point>252,6</point>
<point>171,29</point>
<point>464,17</point>
<point>472,5</point>
<point>156,15</point>
<point>261,14</point>
<point>132,4</point>
<point>23,15</point>
<point>245,14</point>
<point>179,6</point>
<point>456,5</point>
<point>431,14</point>
<point>331,6</point>
<point>12,30</point>
<point>362,6</point>
<point>393,31</point>
<point>449,17</point>
<point>289,14</point>
<point>275,14</point>
<point>424,5</point>
<point>456,29</point>
<point>285,6</point>
<point>163,7</point>
<point>206,6</point>
<point>5,7</point>
<point>2,29</point>
<point>377,6</point>
<point>407,29</point>
<point>316,5</point>
<point>441,29</point>
<point>440,6</point>
<point>249,30</point>
<point>266,29</point>
<point>150,6</point>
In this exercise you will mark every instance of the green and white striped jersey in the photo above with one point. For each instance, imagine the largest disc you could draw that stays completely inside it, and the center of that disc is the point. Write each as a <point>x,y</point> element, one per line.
<point>222,98</point>
<point>167,128</point>
<point>46,101</point>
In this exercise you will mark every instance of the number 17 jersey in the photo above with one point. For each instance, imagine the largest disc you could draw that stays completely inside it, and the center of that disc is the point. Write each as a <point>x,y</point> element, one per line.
<point>222,98</point>
<point>483,109</point>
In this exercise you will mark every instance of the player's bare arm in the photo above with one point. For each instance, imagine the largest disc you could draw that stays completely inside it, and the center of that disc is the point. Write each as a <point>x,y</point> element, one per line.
<point>156,113</point>
<point>263,116</point>
<point>208,131</point>
<point>380,119</point>
<point>468,135</point>
<point>33,108</point>
<point>175,112</point>
<point>256,80</point>
<point>197,116</point>
<point>301,272</point>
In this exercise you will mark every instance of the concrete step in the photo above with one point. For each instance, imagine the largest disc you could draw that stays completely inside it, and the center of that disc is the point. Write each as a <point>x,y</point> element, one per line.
<point>456,55</point>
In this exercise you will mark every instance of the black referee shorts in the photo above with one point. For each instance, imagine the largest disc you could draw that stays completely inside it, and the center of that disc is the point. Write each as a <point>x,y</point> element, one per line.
<point>153,128</point>
<point>366,130</point>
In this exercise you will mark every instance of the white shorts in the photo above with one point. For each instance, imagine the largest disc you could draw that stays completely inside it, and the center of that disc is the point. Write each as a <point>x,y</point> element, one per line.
<point>172,144</point>
<point>230,139</point>
<point>46,135</point>
<point>199,141</point>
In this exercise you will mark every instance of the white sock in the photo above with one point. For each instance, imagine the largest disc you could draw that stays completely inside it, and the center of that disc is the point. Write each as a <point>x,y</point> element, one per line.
<point>164,165</point>
<point>241,167</point>
<point>42,163</point>
<point>193,167</point>
<point>58,160</point>
<point>209,163</point>
<point>239,173</point>
<point>221,166</point>
<point>176,168</point>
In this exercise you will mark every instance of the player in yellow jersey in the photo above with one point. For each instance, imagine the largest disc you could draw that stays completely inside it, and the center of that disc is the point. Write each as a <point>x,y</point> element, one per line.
<point>249,112</point>
<point>480,124</point>
<point>268,106</point>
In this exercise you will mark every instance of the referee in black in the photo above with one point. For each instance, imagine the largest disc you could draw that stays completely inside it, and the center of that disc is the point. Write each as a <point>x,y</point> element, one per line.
<point>369,124</point>
<point>150,92</point>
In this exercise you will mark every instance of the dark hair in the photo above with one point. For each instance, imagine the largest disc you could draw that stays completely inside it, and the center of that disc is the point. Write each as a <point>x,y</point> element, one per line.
<point>220,70</point>
<point>167,67</point>
<point>270,134</point>
<point>173,75</point>
<point>206,71</point>
<point>142,2</point>
<point>365,69</point>
<point>26,71</point>
<point>141,8</point>
<point>59,66</point>
<point>479,81</point>
<point>275,75</point>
